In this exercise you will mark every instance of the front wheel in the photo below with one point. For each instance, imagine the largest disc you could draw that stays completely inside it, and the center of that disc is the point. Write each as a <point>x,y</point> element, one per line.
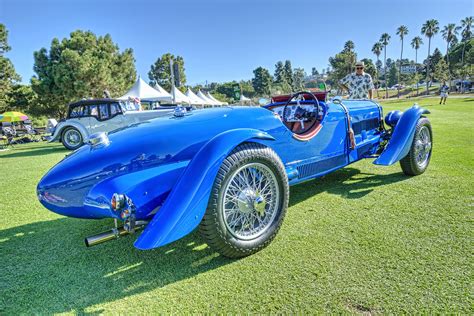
<point>72,138</point>
<point>248,202</point>
<point>419,156</point>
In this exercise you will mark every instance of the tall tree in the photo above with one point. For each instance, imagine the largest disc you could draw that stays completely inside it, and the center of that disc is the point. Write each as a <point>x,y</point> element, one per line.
<point>369,67</point>
<point>392,75</point>
<point>402,30</point>
<point>449,33</point>
<point>314,71</point>
<point>466,33</point>
<point>349,48</point>
<point>280,78</point>
<point>385,39</point>
<point>83,65</point>
<point>441,72</point>
<point>289,73</point>
<point>377,50</point>
<point>262,81</point>
<point>160,71</point>
<point>429,29</point>
<point>298,79</point>
<point>8,75</point>
<point>280,75</point>
<point>416,42</point>
<point>339,65</point>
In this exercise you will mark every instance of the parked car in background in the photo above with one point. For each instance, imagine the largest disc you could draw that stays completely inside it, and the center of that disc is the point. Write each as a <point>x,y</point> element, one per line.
<point>395,87</point>
<point>87,117</point>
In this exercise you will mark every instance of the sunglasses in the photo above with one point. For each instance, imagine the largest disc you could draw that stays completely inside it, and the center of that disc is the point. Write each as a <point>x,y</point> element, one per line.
<point>359,68</point>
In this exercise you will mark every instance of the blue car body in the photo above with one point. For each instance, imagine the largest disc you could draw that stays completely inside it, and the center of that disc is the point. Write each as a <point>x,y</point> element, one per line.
<point>167,165</point>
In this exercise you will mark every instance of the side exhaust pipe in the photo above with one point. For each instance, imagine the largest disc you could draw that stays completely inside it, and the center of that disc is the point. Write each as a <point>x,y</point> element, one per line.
<point>110,235</point>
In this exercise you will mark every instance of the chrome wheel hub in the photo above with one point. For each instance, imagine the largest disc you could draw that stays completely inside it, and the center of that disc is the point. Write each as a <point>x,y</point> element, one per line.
<point>251,198</point>
<point>423,147</point>
<point>73,137</point>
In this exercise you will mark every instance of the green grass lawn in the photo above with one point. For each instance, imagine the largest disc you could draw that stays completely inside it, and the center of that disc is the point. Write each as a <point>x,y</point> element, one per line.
<point>365,239</point>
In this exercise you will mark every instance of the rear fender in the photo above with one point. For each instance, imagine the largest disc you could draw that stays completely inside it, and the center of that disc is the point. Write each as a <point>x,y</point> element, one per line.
<point>186,204</point>
<point>62,125</point>
<point>402,137</point>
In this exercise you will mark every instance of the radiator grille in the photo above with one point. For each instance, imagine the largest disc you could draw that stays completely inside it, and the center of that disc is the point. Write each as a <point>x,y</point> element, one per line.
<point>358,127</point>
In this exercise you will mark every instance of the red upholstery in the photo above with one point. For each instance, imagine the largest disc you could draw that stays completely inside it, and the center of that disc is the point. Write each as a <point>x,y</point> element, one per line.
<point>320,95</point>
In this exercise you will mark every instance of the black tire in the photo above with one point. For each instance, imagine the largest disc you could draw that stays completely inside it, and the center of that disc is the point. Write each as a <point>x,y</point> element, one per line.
<point>410,165</point>
<point>67,143</point>
<point>214,227</point>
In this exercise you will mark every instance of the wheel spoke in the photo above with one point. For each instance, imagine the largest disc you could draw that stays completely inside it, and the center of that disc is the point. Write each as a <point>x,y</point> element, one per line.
<point>250,200</point>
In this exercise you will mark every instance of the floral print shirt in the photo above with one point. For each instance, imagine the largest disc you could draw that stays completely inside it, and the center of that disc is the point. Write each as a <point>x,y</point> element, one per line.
<point>359,85</point>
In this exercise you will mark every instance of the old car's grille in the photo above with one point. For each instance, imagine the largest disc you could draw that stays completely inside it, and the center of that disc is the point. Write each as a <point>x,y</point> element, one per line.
<point>366,125</point>
<point>316,167</point>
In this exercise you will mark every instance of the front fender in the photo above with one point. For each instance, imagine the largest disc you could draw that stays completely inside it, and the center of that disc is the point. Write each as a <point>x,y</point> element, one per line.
<point>62,125</point>
<point>402,137</point>
<point>185,206</point>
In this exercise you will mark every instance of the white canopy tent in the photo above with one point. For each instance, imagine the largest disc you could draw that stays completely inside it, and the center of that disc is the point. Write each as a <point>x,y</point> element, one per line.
<point>179,97</point>
<point>210,96</point>
<point>243,98</point>
<point>144,91</point>
<point>205,99</point>
<point>193,98</point>
<point>161,90</point>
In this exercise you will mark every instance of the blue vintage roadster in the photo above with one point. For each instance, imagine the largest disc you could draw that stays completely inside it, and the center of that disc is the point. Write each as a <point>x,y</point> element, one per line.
<point>226,170</point>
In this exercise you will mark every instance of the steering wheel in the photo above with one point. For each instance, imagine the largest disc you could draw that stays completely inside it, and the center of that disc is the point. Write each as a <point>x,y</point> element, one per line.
<point>294,97</point>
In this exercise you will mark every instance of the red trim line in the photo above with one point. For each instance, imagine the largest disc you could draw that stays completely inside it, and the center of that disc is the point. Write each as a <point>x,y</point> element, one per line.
<point>307,136</point>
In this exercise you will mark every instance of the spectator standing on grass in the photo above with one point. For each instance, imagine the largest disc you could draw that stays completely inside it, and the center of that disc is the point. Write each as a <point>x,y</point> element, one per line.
<point>443,93</point>
<point>359,84</point>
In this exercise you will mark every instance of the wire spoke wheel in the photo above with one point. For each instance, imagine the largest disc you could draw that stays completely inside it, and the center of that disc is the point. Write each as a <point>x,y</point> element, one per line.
<point>250,201</point>
<point>422,147</point>
<point>418,158</point>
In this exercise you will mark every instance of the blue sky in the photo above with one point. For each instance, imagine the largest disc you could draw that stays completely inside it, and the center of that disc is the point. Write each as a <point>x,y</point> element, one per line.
<point>225,40</point>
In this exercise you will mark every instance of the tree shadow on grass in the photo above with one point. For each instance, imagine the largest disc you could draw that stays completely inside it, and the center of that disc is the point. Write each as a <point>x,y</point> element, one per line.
<point>47,268</point>
<point>17,151</point>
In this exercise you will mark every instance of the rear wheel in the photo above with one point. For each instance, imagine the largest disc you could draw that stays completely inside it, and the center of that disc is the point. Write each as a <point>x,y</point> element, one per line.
<point>72,138</point>
<point>248,202</point>
<point>419,156</point>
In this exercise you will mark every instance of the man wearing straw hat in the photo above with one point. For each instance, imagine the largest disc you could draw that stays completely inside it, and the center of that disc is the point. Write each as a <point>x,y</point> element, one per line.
<point>359,84</point>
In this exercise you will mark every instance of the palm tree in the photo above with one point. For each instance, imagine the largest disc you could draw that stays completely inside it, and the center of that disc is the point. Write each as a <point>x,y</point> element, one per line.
<point>401,31</point>
<point>377,50</point>
<point>416,42</point>
<point>466,33</point>
<point>429,29</point>
<point>449,33</point>
<point>385,39</point>
<point>349,48</point>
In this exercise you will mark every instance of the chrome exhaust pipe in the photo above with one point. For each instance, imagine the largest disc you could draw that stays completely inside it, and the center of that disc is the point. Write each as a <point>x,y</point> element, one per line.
<point>110,235</point>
